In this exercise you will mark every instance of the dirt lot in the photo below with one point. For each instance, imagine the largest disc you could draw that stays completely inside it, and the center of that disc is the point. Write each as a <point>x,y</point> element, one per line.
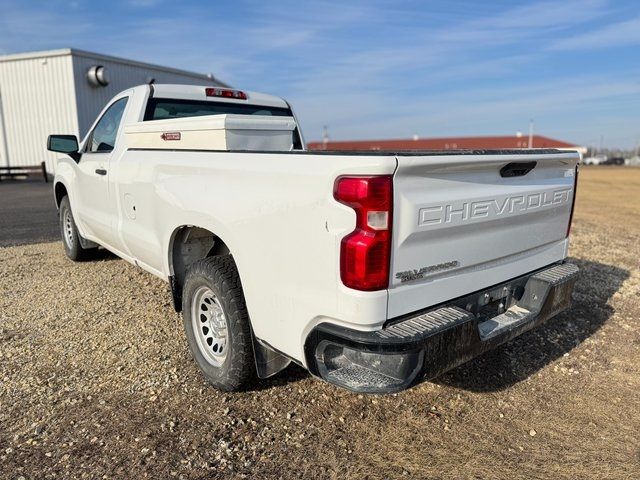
<point>96,382</point>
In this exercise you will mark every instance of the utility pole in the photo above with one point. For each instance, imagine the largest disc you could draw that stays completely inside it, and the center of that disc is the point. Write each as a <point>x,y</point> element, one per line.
<point>325,134</point>
<point>531,133</point>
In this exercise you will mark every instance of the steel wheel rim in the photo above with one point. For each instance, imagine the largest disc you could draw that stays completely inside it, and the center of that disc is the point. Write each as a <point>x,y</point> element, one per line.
<point>67,226</point>
<point>209,324</point>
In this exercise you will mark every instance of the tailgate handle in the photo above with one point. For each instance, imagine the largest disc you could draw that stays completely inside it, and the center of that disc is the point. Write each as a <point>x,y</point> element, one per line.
<point>517,169</point>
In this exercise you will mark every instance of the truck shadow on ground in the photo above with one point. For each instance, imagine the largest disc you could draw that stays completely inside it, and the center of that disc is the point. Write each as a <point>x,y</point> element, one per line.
<point>103,255</point>
<point>520,358</point>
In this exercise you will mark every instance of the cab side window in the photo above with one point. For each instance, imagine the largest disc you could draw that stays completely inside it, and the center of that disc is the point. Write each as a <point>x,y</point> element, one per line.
<point>103,137</point>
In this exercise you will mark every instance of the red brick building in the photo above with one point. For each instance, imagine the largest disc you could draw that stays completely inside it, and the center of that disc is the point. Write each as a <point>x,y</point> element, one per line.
<point>449,143</point>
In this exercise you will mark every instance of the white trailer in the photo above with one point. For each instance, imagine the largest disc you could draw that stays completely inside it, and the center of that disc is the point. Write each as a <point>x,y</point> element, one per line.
<point>63,91</point>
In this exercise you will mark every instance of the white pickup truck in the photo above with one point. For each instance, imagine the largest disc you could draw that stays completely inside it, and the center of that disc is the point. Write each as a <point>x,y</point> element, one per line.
<point>373,270</point>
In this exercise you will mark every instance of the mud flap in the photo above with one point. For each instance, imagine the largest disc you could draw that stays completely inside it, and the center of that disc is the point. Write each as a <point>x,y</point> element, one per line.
<point>268,360</point>
<point>87,244</point>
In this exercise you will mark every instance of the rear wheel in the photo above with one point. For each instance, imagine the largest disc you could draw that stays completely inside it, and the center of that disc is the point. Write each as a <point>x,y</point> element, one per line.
<point>216,323</point>
<point>70,234</point>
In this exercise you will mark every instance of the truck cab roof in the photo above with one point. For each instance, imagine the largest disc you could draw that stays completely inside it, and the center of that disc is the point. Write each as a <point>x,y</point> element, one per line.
<point>198,92</point>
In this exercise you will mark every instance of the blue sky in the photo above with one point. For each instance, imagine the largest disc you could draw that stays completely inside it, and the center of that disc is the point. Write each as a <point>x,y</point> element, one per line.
<point>375,69</point>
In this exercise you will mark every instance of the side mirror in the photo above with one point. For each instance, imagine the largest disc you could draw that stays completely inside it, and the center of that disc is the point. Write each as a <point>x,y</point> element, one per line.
<point>64,144</point>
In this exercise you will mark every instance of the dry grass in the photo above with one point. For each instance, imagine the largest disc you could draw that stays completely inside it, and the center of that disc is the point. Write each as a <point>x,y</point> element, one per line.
<point>95,380</point>
<point>610,197</point>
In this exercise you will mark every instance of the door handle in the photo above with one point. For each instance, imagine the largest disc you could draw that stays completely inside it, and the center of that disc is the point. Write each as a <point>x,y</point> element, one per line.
<point>101,171</point>
<point>517,169</point>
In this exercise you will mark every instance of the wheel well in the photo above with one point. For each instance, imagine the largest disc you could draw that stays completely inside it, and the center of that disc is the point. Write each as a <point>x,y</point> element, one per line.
<point>60,192</point>
<point>189,245</point>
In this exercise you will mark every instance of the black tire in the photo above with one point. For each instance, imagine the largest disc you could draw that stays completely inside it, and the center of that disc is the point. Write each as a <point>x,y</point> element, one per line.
<point>70,235</point>
<point>219,275</point>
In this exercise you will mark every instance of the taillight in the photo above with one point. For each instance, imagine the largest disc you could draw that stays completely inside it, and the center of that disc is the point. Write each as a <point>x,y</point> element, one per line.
<point>365,253</point>
<point>225,92</point>
<point>573,202</point>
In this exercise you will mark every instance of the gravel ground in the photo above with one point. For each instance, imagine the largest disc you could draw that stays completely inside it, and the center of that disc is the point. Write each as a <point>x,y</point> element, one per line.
<point>96,382</point>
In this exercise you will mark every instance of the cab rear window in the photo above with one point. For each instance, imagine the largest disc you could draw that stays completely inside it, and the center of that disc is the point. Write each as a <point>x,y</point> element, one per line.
<point>164,108</point>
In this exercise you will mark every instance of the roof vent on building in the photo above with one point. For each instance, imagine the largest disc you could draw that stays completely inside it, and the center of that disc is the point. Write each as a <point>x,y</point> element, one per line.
<point>97,76</point>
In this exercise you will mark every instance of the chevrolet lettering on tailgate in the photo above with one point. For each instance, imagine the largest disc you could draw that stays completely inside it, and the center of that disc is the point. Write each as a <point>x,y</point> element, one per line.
<point>454,213</point>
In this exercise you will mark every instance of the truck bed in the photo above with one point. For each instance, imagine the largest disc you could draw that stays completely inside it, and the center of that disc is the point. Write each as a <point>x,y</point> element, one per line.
<point>295,188</point>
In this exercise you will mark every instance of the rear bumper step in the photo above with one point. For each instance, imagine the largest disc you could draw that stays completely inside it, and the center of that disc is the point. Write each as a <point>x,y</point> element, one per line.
<point>425,345</point>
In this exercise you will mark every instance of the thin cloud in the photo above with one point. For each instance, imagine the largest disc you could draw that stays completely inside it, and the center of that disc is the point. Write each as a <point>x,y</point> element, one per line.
<point>143,3</point>
<point>615,35</point>
<point>376,68</point>
<point>481,111</point>
<point>547,14</point>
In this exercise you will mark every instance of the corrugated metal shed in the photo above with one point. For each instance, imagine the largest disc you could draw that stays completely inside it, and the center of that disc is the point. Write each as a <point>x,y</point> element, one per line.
<point>36,96</point>
<point>48,92</point>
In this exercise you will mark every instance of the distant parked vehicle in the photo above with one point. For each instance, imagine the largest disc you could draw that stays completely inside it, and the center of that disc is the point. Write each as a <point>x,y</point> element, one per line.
<point>597,160</point>
<point>614,161</point>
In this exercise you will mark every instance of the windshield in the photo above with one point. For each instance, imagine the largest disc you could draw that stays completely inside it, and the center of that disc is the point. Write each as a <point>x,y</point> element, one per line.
<point>163,108</point>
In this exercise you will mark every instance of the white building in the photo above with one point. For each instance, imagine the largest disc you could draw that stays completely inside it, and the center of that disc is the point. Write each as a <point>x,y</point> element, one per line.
<point>62,91</point>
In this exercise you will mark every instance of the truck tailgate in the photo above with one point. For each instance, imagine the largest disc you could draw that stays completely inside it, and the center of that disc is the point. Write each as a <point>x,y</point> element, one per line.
<point>464,222</point>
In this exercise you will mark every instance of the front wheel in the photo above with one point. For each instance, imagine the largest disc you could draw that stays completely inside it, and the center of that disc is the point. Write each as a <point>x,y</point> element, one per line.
<point>70,234</point>
<point>216,323</point>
